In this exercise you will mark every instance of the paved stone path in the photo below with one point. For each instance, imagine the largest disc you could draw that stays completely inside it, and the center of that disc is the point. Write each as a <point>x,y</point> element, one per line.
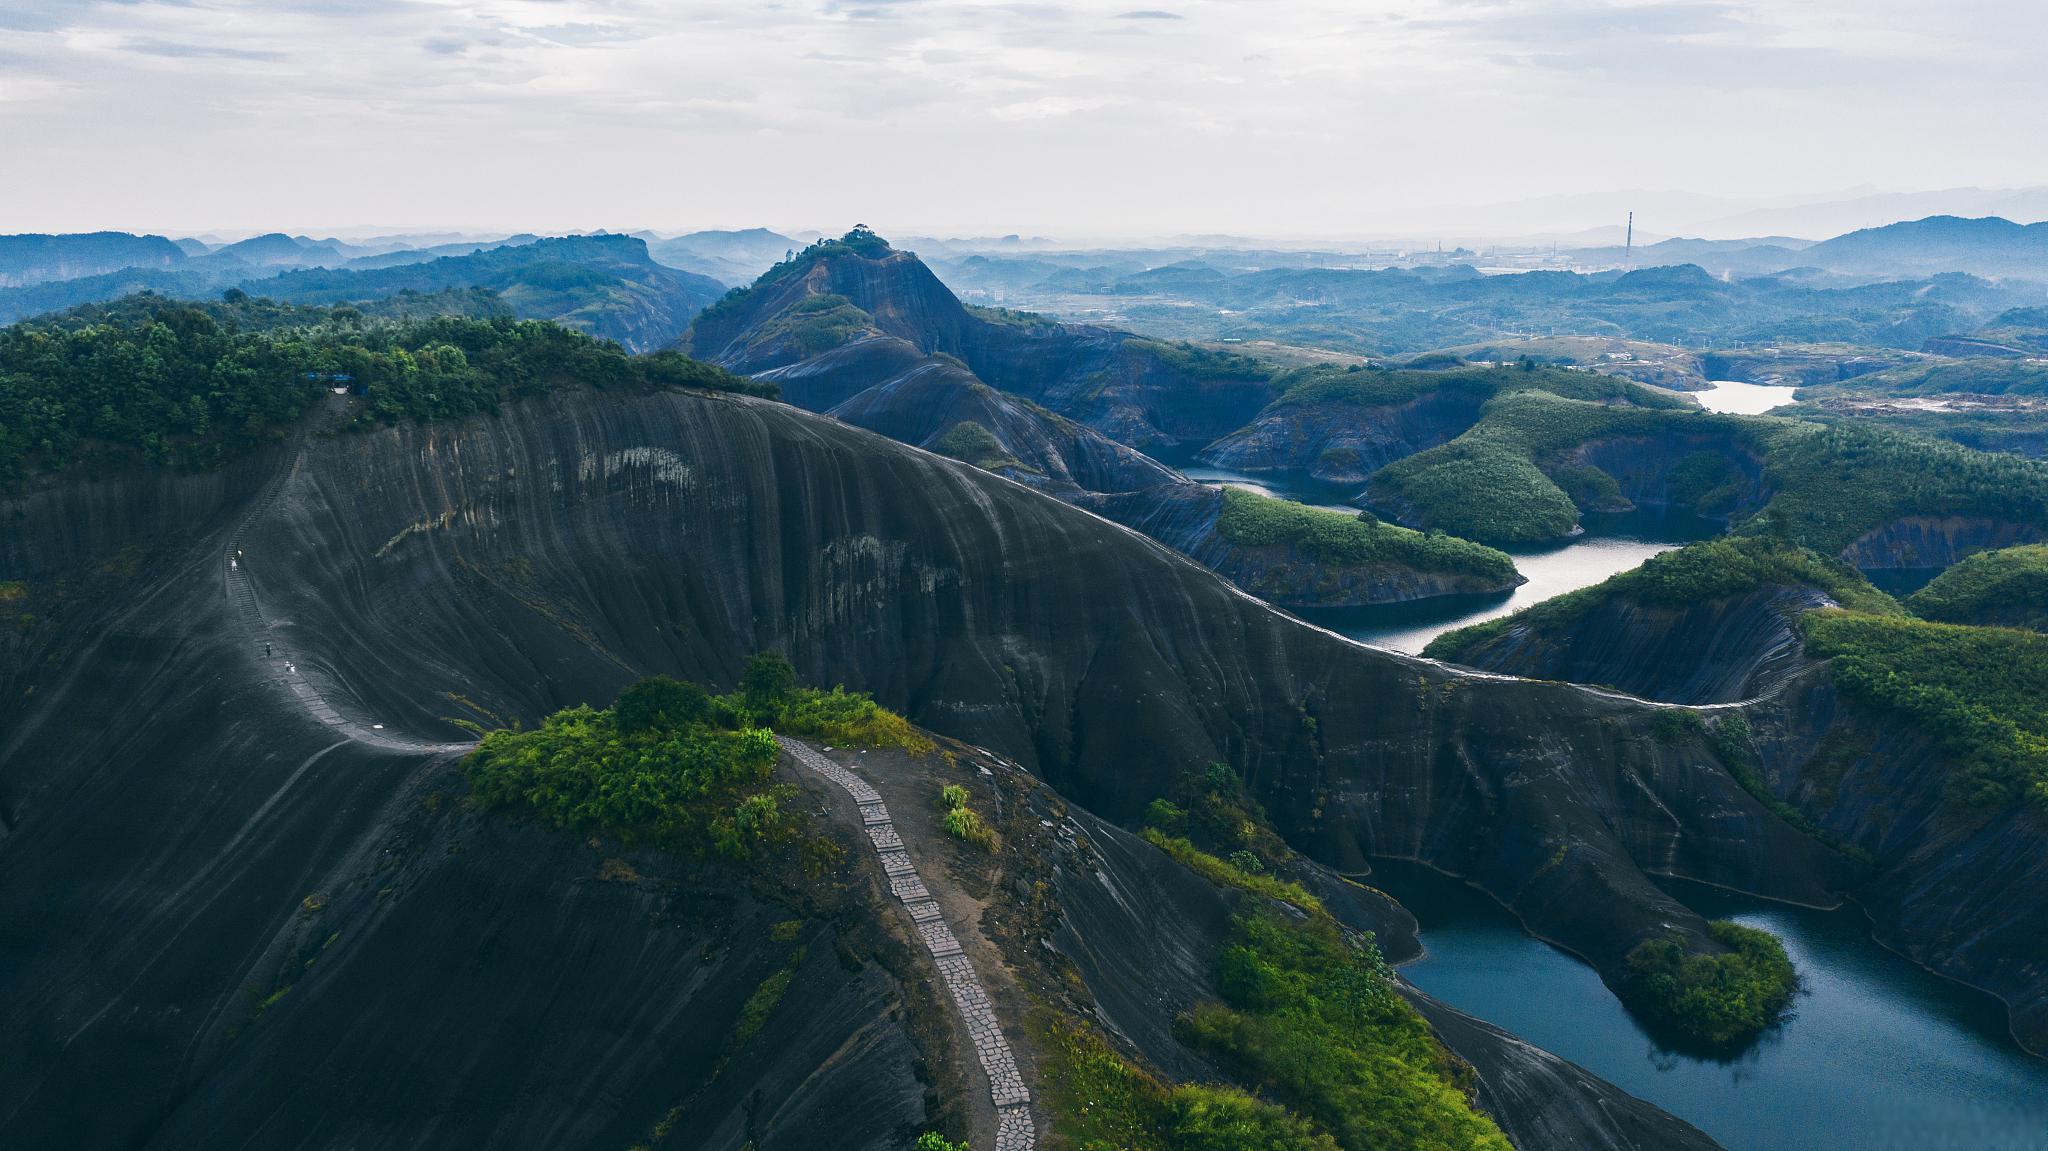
<point>1014,1131</point>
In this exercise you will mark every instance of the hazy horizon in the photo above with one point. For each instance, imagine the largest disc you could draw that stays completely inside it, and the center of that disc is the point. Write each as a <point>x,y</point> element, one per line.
<point>1291,118</point>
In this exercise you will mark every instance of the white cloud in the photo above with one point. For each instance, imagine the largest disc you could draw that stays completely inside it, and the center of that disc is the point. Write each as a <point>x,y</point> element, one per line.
<point>1247,115</point>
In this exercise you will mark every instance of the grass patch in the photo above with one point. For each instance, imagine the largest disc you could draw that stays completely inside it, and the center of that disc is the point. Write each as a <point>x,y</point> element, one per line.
<point>1310,1015</point>
<point>1223,874</point>
<point>1982,692</point>
<point>1719,999</point>
<point>762,1003</point>
<point>1335,538</point>
<point>963,822</point>
<point>1096,1101</point>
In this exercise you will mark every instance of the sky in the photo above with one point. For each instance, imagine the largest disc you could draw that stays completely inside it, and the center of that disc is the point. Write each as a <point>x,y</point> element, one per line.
<point>1265,117</point>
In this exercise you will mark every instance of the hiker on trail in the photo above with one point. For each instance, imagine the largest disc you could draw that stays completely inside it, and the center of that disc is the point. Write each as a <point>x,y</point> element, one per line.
<point>266,651</point>
<point>231,563</point>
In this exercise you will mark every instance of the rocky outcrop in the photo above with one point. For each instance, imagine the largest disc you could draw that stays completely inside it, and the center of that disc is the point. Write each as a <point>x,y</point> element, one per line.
<point>1716,651</point>
<point>1121,385</point>
<point>1931,543</point>
<point>1963,891</point>
<point>890,385</point>
<point>1033,446</point>
<point>1713,474</point>
<point>1343,443</point>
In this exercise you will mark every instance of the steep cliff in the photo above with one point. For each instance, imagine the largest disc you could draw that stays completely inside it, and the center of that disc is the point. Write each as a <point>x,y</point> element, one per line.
<point>510,565</point>
<point>1133,390</point>
<point>1962,890</point>
<point>1343,443</point>
<point>1717,650</point>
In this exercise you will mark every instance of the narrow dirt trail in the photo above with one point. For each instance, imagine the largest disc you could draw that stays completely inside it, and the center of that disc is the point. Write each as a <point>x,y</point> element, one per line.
<point>1015,1130</point>
<point>281,667</point>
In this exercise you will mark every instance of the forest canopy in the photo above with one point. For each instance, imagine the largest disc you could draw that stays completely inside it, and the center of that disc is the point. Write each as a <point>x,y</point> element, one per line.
<point>158,381</point>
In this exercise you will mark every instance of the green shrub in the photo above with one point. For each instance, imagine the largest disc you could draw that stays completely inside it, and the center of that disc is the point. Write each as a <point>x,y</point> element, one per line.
<point>933,1141</point>
<point>672,767</point>
<point>1718,999</point>
<point>697,789</point>
<point>1224,875</point>
<point>972,443</point>
<point>659,703</point>
<point>766,998</point>
<point>846,718</point>
<point>952,797</point>
<point>964,823</point>
<point>1310,1015</point>
<point>1167,816</point>
<point>1096,1101</point>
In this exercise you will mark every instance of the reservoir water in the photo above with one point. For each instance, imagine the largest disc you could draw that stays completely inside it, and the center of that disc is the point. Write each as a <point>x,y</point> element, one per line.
<point>1879,1055</point>
<point>1743,399</point>
<point>1610,544</point>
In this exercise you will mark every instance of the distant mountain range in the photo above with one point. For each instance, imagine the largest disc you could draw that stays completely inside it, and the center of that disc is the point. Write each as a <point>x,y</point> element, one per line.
<point>605,285</point>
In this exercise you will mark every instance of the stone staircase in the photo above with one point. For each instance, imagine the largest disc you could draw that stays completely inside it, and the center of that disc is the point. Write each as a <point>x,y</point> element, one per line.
<point>1015,1130</point>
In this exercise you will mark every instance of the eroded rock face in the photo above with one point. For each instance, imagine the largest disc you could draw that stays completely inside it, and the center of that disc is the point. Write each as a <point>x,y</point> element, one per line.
<point>1714,474</point>
<point>1345,443</point>
<point>1719,651</point>
<point>551,555</point>
<point>1931,543</point>
<point>510,565</point>
<point>1112,381</point>
<point>1963,892</point>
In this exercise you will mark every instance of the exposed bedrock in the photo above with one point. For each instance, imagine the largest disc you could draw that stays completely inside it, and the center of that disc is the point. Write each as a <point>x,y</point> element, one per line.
<point>920,405</point>
<point>549,556</point>
<point>1716,651</point>
<point>1715,474</point>
<point>1110,380</point>
<point>226,926</point>
<point>1963,892</point>
<point>1931,543</point>
<point>510,565</point>
<point>1341,443</point>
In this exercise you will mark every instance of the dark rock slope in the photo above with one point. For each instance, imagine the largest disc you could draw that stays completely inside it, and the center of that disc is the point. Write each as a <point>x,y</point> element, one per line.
<point>1718,650</point>
<point>1134,390</point>
<point>889,366</point>
<point>1344,443</point>
<point>1963,892</point>
<point>509,565</point>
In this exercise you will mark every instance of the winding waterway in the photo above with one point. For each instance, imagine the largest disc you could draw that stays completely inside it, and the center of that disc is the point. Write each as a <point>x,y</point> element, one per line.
<point>1879,1055</point>
<point>1610,544</point>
